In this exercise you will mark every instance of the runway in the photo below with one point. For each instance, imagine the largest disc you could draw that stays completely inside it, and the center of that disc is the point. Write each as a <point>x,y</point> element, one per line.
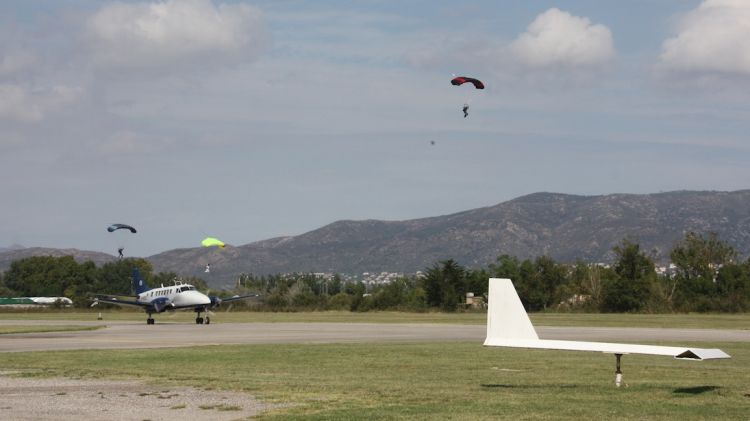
<point>130,335</point>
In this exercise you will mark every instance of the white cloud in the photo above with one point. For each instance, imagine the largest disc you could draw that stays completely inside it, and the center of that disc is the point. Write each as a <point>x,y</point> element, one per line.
<point>155,34</point>
<point>711,38</point>
<point>18,103</point>
<point>557,38</point>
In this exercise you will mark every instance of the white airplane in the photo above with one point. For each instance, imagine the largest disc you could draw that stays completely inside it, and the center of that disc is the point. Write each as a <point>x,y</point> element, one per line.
<point>36,301</point>
<point>64,301</point>
<point>508,325</point>
<point>179,296</point>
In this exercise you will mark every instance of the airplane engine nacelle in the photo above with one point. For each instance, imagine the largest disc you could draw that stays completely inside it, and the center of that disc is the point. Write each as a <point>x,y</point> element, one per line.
<point>161,304</point>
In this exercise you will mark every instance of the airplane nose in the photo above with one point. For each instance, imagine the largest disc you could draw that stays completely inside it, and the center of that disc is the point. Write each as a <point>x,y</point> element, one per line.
<point>195,298</point>
<point>202,297</point>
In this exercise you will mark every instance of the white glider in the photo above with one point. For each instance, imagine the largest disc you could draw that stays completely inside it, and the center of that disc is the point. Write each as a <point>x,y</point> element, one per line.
<point>508,325</point>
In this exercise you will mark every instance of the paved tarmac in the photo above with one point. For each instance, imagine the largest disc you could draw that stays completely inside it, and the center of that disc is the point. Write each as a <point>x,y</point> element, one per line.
<point>121,335</point>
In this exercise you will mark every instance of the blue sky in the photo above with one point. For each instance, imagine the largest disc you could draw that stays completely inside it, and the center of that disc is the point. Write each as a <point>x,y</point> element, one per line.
<point>251,120</point>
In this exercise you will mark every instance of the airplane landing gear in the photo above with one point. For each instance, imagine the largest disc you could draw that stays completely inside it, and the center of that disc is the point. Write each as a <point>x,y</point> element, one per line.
<point>150,320</point>
<point>200,320</point>
<point>618,372</point>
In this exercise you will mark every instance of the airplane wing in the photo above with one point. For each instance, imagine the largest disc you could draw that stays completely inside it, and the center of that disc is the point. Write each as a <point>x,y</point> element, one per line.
<point>157,306</point>
<point>680,353</point>
<point>216,302</point>
<point>112,299</point>
<point>508,325</point>
<point>239,297</point>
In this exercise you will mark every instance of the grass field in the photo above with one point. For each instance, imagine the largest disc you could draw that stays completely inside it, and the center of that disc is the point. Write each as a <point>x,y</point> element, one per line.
<point>694,320</point>
<point>428,380</point>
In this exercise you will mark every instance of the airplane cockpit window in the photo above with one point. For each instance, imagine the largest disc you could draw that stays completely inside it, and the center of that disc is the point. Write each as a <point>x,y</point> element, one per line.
<point>184,289</point>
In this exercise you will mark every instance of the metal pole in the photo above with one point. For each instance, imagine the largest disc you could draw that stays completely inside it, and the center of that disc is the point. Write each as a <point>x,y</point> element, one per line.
<point>618,373</point>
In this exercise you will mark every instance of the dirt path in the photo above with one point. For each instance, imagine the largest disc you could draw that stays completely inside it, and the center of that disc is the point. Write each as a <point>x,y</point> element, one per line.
<point>56,399</point>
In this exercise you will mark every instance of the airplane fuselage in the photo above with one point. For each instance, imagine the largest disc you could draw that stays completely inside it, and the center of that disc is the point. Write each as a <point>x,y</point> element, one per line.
<point>174,297</point>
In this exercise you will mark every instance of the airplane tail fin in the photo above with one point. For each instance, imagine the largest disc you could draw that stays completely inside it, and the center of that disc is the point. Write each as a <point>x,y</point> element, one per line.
<point>139,284</point>
<point>506,317</point>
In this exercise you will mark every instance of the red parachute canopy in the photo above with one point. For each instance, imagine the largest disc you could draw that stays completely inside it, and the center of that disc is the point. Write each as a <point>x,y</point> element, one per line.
<point>457,81</point>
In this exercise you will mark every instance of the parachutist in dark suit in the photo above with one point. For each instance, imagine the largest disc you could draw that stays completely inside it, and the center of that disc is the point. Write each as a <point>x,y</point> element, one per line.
<point>120,252</point>
<point>466,110</point>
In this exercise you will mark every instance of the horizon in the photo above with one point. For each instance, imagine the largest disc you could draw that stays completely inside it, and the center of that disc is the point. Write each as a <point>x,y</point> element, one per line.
<point>11,247</point>
<point>249,120</point>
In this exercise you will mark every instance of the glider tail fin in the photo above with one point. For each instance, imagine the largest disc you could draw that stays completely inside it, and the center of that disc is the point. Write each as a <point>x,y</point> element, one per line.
<point>506,317</point>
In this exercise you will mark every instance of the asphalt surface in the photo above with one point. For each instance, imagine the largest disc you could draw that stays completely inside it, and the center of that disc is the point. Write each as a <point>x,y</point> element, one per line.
<point>129,335</point>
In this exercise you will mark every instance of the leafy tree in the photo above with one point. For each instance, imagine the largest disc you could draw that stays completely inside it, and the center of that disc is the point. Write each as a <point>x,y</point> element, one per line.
<point>477,281</point>
<point>116,277</point>
<point>634,273</point>
<point>540,284</point>
<point>506,267</point>
<point>587,279</point>
<point>42,275</point>
<point>276,301</point>
<point>335,286</point>
<point>357,292</point>
<point>305,298</point>
<point>445,285</point>
<point>340,301</point>
<point>4,290</point>
<point>51,276</point>
<point>697,260</point>
<point>400,294</point>
<point>733,287</point>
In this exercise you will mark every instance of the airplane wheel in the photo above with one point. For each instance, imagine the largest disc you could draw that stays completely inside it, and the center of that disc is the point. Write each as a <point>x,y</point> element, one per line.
<point>150,321</point>
<point>199,320</point>
<point>208,321</point>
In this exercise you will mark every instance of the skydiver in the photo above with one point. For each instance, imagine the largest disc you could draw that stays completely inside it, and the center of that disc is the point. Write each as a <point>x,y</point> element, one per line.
<point>208,268</point>
<point>466,110</point>
<point>119,250</point>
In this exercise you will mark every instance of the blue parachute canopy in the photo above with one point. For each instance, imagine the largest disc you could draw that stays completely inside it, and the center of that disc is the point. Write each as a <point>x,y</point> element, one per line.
<point>115,227</point>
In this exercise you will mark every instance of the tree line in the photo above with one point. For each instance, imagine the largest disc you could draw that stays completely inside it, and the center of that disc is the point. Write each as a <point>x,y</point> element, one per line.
<point>704,276</point>
<point>47,276</point>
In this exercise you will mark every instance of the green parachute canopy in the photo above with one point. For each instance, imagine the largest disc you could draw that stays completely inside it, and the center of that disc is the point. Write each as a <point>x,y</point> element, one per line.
<point>211,242</point>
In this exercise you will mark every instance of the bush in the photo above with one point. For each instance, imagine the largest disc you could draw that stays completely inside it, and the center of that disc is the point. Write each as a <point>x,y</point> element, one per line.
<point>340,301</point>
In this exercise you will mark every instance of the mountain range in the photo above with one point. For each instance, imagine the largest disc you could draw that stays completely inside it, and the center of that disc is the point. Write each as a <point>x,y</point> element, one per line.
<point>562,226</point>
